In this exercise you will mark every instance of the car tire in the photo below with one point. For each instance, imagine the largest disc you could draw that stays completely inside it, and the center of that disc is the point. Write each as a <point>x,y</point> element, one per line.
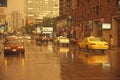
<point>58,43</point>
<point>5,53</point>
<point>67,45</point>
<point>23,52</point>
<point>102,51</point>
<point>87,48</point>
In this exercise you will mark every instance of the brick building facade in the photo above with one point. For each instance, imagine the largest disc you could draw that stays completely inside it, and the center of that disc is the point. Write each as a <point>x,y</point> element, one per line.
<point>92,14</point>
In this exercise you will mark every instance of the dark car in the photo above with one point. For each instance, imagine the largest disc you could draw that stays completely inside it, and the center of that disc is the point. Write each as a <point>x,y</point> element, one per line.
<point>39,41</point>
<point>14,46</point>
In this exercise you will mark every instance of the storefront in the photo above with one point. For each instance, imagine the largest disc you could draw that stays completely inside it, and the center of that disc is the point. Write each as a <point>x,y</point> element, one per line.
<point>116,30</point>
<point>92,28</point>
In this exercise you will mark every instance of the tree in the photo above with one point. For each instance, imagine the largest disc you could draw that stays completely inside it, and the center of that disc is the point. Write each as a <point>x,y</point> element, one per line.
<point>29,28</point>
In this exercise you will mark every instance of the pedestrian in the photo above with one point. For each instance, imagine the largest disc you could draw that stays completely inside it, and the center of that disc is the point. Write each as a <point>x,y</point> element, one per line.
<point>111,41</point>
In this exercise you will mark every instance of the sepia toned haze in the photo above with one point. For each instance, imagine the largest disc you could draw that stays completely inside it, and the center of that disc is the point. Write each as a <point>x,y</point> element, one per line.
<point>14,5</point>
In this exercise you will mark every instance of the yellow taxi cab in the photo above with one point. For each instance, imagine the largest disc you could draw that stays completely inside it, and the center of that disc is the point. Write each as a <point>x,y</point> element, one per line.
<point>94,43</point>
<point>95,59</point>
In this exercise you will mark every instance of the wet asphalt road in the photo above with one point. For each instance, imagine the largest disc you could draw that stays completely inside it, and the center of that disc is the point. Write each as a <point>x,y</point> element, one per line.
<point>60,63</point>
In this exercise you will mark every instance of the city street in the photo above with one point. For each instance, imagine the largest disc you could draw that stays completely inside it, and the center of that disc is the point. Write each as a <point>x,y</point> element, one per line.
<point>32,34</point>
<point>60,63</point>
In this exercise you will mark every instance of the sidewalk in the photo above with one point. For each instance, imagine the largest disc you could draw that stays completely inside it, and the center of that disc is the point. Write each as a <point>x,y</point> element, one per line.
<point>1,45</point>
<point>115,48</point>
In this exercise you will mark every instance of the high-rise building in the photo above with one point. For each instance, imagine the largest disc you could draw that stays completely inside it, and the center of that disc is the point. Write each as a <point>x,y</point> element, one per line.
<point>38,9</point>
<point>2,17</point>
<point>14,15</point>
<point>65,7</point>
<point>3,3</point>
<point>67,11</point>
<point>15,20</point>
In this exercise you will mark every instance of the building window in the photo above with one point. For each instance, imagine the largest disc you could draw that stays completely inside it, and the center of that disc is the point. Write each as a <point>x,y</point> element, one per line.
<point>3,3</point>
<point>88,1</point>
<point>78,2</point>
<point>68,0</point>
<point>100,6</point>
<point>94,9</point>
<point>97,9</point>
<point>108,1</point>
<point>88,12</point>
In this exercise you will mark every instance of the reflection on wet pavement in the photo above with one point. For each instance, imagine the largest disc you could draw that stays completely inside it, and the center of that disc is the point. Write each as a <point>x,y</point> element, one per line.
<point>61,63</point>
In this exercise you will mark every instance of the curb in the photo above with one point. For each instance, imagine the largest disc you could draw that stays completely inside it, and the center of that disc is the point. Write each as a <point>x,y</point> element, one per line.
<point>115,49</point>
<point>1,48</point>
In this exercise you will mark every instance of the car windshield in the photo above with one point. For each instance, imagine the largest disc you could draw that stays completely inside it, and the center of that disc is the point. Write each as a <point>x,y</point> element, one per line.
<point>62,38</point>
<point>96,39</point>
<point>14,42</point>
<point>13,37</point>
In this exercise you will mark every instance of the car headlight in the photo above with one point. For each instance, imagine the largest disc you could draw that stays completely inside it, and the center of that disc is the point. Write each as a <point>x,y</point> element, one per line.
<point>20,46</point>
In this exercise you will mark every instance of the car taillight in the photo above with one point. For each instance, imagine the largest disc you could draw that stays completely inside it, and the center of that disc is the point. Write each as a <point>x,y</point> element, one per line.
<point>7,47</point>
<point>92,44</point>
<point>20,46</point>
<point>105,44</point>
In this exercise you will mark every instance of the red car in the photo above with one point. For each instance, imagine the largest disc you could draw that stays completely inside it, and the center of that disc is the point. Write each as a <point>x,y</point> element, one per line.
<point>14,46</point>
